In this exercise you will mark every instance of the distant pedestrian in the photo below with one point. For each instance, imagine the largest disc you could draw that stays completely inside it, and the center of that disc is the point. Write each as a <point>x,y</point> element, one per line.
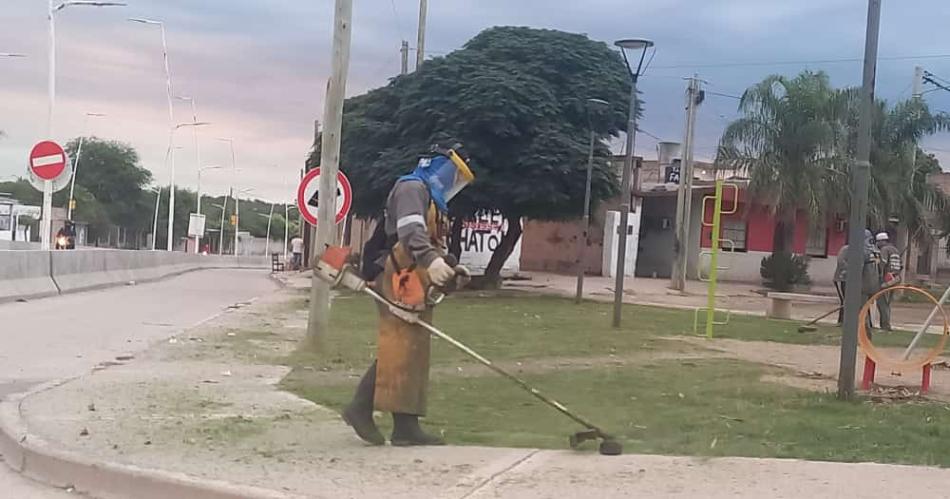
<point>890,266</point>
<point>296,247</point>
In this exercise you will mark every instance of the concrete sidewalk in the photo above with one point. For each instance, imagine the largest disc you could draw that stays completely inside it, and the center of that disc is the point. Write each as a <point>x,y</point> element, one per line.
<point>202,410</point>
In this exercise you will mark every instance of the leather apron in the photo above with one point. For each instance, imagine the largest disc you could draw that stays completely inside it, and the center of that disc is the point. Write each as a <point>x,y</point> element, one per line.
<point>402,369</point>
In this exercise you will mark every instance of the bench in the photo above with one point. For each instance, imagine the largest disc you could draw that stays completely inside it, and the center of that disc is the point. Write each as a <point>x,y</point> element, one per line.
<point>780,304</point>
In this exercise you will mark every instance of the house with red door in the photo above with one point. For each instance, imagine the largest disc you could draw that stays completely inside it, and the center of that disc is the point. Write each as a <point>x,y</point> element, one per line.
<point>747,230</point>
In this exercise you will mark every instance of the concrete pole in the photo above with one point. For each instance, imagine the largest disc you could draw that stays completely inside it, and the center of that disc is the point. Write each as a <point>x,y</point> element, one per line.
<point>421,41</point>
<point>224,210</point>
<point>626,195</point>
<point>859,208</point>
<point>270,218</point>
<point>404,58</point>
<point>685,194</point>
<point>46,222</point>
<point>318,321</point>
<point>158,200</point>
<point>585,223</point>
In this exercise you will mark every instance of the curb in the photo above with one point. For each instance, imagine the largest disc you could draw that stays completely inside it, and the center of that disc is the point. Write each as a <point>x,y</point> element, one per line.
<point>41,460</point>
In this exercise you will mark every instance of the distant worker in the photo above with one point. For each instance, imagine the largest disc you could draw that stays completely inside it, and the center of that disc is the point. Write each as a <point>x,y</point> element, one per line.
<point>870,282</point>
<point>890,266</point>
<point>840,280</point>
<point>405,256</point>
<point>296,248</point>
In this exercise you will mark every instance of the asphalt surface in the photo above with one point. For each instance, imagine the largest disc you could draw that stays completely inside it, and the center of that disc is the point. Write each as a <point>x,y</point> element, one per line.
<point>63,336</point>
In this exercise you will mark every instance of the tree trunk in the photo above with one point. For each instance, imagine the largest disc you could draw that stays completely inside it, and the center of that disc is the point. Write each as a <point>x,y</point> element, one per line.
<point>455,237</point>
<point>783,238</point>
<point>503,251</point>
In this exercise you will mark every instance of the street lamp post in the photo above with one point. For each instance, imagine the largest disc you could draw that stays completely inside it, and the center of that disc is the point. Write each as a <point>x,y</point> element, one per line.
<point>198,196</point>
<point>223,208</point>
<point>641,46</point>
<point>46,224</point>
<point>270,218</point>
<point>171,118</point>
<point>158,200</point>
<point>237,215</point>
<point>585,224</point>
<point>171,193</point>
<point>231,192</point>
<point>72,181</point>
<point>194,118</point>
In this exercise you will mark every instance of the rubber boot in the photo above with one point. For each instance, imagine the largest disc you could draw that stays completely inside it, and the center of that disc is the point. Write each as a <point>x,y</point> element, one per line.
<point>406,432</point>
<point>359,414</point>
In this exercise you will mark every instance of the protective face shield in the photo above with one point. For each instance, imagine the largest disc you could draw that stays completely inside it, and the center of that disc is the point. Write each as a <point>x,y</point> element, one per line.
<point>451,176</point>
<point>446,173</point>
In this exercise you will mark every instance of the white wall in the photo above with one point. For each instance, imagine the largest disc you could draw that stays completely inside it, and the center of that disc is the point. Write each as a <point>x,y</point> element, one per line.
<point>481,236</point>
<point>745,267</point>
<point>611,234</point>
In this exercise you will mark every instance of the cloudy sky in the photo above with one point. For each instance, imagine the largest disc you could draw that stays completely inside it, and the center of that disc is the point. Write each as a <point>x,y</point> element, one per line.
<point>258,68</point>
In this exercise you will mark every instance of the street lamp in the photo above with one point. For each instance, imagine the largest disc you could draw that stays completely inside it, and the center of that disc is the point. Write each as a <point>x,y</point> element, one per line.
<point>198,195</point>
<point>633,45</point>
<point>171,181</point>
<point>287,208</point>
<point>237,215</point>
<point>158,199</point>
<point>72,182</point>
<point>582,241</point>
<point>270,218</point>
<point>230,142</point>
<point>194,118</point>
<point>46,225</point>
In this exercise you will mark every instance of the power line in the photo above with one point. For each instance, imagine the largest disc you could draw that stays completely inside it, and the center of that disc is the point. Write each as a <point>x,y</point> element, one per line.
<point>710,92</point>
<point>816,61</point>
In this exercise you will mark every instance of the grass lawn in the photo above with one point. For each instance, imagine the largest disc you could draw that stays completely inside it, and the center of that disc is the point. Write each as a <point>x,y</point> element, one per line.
<point>705,407</point>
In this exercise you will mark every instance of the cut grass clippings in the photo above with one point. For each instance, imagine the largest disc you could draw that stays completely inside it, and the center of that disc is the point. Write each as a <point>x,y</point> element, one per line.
<point>705,407</point>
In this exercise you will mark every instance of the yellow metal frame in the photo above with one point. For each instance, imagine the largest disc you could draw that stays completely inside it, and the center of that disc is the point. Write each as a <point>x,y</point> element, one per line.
<point>713,252</point>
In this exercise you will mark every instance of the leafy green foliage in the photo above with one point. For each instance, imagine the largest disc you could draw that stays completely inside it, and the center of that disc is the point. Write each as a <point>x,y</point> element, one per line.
<point>516,97</point>
<point>781,271</point>
<point>110,172</point>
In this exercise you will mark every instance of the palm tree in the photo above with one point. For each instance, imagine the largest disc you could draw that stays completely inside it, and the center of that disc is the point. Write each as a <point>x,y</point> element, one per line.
<point>790,143</point>
<point>899,187</point>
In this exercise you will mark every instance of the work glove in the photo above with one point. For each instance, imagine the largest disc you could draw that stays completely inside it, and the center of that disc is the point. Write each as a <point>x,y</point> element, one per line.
<point>440,273</point>
<point>462,276</point>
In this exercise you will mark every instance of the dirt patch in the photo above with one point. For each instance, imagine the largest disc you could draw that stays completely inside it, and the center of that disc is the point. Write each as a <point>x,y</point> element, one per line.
<point>817,365</point>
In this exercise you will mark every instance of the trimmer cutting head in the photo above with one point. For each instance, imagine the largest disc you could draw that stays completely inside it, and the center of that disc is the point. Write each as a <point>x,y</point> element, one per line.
<point>609,446</point>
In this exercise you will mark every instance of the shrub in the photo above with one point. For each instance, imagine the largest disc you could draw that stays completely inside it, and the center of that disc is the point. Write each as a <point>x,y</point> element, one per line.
<point>781,271</point>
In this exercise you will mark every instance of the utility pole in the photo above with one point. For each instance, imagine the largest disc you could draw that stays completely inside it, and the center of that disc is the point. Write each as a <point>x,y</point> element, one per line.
<point>685,194</point>
<point>318,322</point>
<point>404,53</point>
<point>421,41</point>
<point>859,208</point>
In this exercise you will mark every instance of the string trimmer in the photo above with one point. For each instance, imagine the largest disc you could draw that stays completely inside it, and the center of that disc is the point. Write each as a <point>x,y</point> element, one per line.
<point>334,268</point>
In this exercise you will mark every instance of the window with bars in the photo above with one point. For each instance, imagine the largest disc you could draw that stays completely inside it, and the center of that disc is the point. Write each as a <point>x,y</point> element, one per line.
<point>734,234</point>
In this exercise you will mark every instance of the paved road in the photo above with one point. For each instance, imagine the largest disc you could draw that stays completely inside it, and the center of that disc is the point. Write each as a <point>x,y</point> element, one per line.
<point>52,338</point>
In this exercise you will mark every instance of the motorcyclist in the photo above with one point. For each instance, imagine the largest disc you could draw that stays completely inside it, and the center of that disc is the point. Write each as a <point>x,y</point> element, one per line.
<point>404,256</point>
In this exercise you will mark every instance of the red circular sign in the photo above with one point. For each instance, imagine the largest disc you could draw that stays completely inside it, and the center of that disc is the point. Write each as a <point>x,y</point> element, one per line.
<point>47,160</point>
<point>307,196</point>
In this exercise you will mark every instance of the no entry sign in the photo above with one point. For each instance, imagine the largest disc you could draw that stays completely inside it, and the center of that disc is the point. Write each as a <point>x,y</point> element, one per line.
<point>48,160</point>
<point>308,196</point>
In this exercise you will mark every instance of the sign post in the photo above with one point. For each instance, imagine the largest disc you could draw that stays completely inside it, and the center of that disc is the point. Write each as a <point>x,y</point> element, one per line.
<point>48,163</point>
<point>308,194</point>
